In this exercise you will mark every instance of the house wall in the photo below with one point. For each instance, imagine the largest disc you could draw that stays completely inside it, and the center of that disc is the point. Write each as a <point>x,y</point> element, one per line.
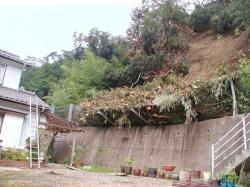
<point>12,77</point>
<point>12,129</point>
<point>185,146</point>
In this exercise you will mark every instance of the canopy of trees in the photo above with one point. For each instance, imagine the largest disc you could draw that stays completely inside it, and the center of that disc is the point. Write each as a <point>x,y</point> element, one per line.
<point>100,61</point>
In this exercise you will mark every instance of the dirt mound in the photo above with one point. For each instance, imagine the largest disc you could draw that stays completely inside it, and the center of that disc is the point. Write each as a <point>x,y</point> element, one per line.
<point>209,49</point>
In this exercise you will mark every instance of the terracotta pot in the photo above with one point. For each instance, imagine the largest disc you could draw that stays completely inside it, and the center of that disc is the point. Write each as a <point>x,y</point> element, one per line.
<point>196,174</point>
<point>136,172</point>
<point>185,175</point>
<point>161,174</point>
<point>122,169</point>
<point>168,168</point>
<point>128,170</point>
<point>144,174</point>
<point>78,164</point>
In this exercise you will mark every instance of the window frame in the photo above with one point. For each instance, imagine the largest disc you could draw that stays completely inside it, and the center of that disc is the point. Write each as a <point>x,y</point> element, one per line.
<point>3,75</point>
<point>1,122</point>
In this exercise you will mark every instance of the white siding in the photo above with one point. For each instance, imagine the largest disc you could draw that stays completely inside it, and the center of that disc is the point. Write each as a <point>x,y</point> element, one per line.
<point>12,77</point>
<point>12,130</point>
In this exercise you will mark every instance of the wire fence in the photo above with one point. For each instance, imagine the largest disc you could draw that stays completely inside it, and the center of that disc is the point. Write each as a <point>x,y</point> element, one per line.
<point>72,113</point>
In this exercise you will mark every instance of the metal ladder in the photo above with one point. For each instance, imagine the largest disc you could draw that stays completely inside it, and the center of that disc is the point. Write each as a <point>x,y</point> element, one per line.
<point>34,148</point>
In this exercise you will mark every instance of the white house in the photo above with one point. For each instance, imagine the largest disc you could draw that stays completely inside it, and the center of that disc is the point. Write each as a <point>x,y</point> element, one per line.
<point>15,102</point>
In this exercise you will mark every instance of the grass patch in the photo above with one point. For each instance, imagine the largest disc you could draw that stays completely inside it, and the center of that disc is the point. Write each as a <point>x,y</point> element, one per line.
<point>97,169</point>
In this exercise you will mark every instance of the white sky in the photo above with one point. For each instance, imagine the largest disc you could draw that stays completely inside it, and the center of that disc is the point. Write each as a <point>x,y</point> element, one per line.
<point>38,27</point>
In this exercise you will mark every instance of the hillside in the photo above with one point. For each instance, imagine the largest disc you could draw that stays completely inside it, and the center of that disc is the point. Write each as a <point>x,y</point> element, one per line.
<point>206,51</point>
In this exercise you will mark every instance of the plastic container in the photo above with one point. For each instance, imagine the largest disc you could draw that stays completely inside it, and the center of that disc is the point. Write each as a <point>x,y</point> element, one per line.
<point>207,175</point>
<point>152,172</point>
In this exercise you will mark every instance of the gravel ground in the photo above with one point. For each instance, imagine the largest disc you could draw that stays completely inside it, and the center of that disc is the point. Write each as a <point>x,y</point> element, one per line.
<point>61,176</point>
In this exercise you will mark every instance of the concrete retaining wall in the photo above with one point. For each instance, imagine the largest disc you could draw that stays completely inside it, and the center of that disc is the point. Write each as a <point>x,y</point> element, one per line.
<point>185,146</point>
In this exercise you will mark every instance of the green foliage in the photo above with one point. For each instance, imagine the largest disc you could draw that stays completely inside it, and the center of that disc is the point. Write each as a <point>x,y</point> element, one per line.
<point>129,161</point>
<point>167,102</point>
<point>79,152</point>
<point>96,168</point>
<point>153,85</point>
<point>140,65</point>
<point>180,67</point>
<point>40,79</point>
<point>199,19</point>
<point>222,17</point>
<point>81,80</point>
<point>223,22</point>
<point>240,10</point>
<point>100,43</point>
<point>229,176</point>
<point>245,71</point>
<point>14,154</point>
<point>155,29</point>
<point>244,92</point>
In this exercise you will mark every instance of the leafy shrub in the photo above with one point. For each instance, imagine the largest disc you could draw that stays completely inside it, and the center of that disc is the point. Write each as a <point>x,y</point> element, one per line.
<point>223,22</point>
<point>153,85</point>
<point>14,154</point>
<point>199,19</point>
<point>180,67</point>
<point>142,64</point>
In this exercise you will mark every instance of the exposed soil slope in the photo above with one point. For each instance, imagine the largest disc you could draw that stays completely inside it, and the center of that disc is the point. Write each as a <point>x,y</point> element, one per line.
<point>206,51</point>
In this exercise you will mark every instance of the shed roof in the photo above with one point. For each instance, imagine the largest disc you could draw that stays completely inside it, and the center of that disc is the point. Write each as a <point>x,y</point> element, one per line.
<point>22,96</point>
<point>57,124</point>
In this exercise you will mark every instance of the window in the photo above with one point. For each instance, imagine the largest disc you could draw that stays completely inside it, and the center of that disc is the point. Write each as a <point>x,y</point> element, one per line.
<point>2,72</point>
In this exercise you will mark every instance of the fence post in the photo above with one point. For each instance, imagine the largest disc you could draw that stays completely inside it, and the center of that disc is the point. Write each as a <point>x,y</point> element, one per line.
<point>212,160</point>
<point>53,109</point>
<point>70,115</point>
<point>244,133</point>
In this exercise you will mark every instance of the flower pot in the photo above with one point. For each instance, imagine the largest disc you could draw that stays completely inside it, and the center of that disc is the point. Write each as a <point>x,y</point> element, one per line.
<point>144,174</point>
<point>185,175</point>
<point>128,170</point>
<point>231,185</point>
<point>196,174</point>
<point>161,174</point>
<point>136,172</point>
<point>223,185</point>
<point>168,168</point>
<point>122,169</point>
<point>175,176</point>
<point>152,172</point>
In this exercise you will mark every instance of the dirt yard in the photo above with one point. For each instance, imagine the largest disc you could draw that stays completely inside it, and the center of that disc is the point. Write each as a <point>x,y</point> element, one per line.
<point>61,176</point>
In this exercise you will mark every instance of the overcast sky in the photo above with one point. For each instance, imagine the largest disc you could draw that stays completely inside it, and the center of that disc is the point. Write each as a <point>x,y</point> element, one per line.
<point>38,27</point>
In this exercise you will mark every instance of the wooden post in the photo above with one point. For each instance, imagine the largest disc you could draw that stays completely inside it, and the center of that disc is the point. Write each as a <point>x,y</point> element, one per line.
<point>70,114</point>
